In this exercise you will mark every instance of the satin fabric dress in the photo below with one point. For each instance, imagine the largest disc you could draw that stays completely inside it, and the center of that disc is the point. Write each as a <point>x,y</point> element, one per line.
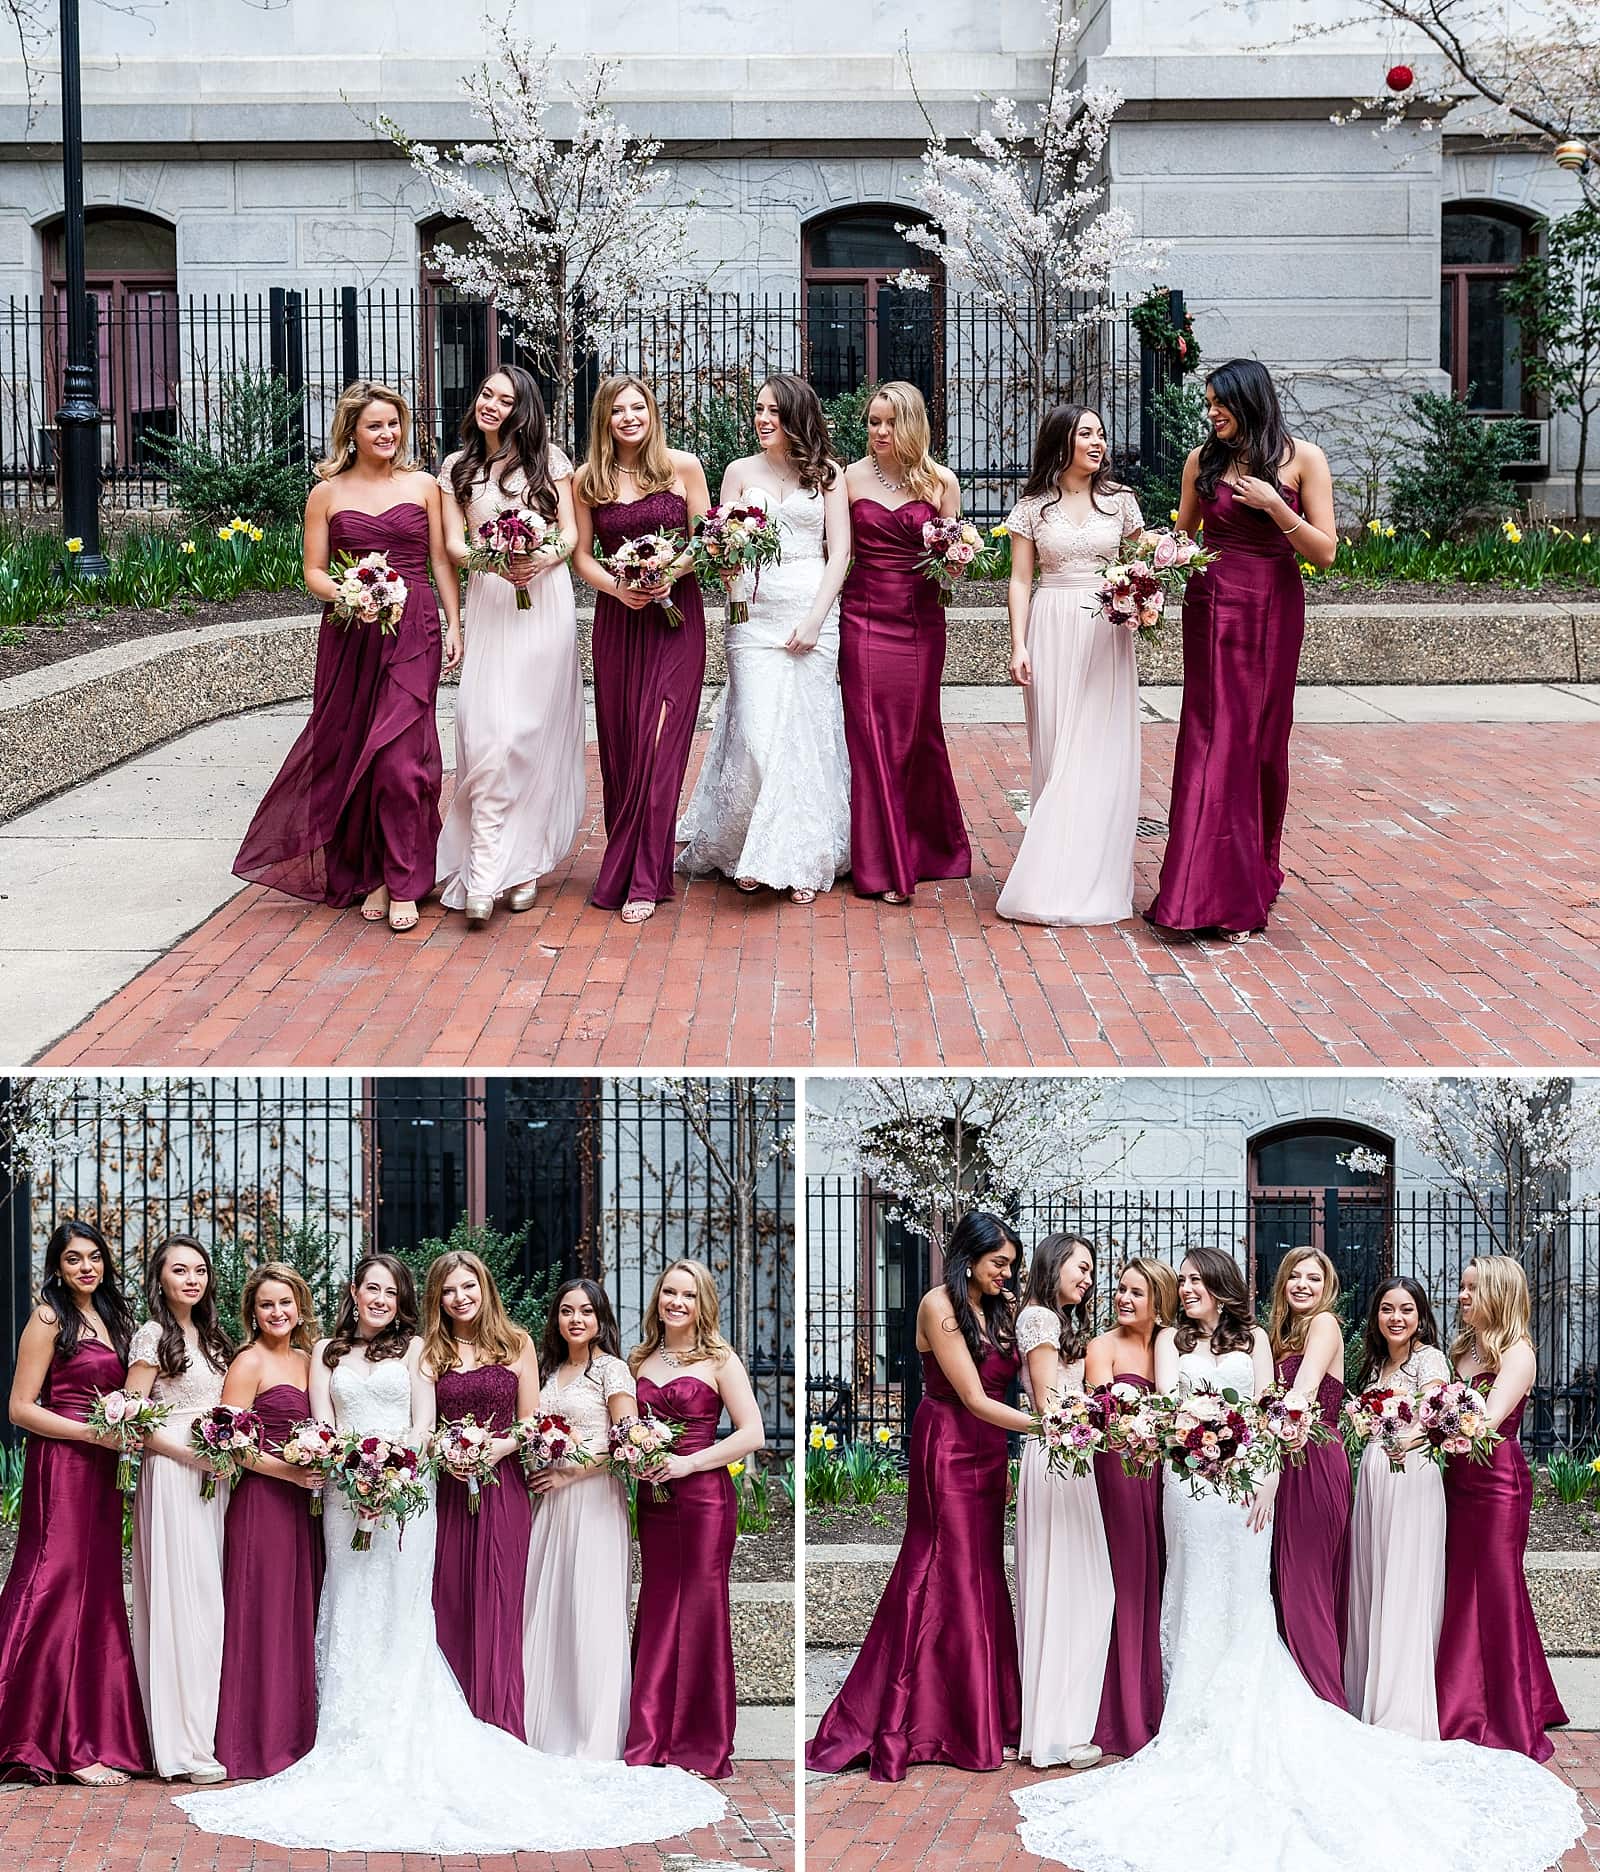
<point>356,803</point>
<point>905,814</point>
<point>480,1561</point>
<point>1130,1510</point>
<point>1243,621</point>
<point>1311,1548</point>
<point>271,1582</point>
<point>1494,1685</point>
<point>69,1695</point>
<point>647,681</point>
<point>683,1705</point>
<point>938,1677</point>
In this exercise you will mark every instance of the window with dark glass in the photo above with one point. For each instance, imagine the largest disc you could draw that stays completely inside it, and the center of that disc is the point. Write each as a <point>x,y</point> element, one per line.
<point>860,327</point>
<point>1305,1193</point>
<point>1479,340</point>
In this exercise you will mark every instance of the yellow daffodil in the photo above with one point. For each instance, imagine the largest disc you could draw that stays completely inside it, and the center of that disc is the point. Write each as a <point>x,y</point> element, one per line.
<point>1388,532</point>
<point>1000,532</point>
<point>1374,526</point>
<point>75,545</point>
<point>1588,539</point>
<point>881,1434</point>
<point>816,1436</point>
<point>1595,1465</point>
<point>1173,516</point>
<point>736,1469</point>
<point>1512,531</point>
<point>830,1444</point>
<point>239,523</point>
<point>225,533</point>
<point>1426,534</point>
<point>258,536</point>
<point>186,546</point>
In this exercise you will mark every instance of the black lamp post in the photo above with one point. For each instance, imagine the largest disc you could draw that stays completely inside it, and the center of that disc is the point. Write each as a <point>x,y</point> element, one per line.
<point>79,415</point>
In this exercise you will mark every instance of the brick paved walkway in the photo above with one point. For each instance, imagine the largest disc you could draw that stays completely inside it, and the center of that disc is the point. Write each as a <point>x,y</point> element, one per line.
<point>941,1820</point>
<point>1442,908</point>
<point>137,1829</point>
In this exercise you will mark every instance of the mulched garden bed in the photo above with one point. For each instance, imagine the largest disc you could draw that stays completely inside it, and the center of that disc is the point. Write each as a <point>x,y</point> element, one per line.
<point>53,640</point>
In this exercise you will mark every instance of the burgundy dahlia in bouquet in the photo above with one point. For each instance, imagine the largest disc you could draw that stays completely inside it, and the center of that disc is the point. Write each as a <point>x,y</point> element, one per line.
<point>129,1418</point>
<point>653,563</point>
<point>514,532</point>
<point>638,1444</point>
<point>313,1445</point>
<point>466,1450</point>
<point>1290,1425</point>
<point>547,1442</point>
<point>1212,1442</point>
<point>1154,566</point>
<point>368,591</point>
<point>1072,1432</point>
<point>739,538</point>
<point>1454,1418</point>
<point>949,548</point>
<point>1384,1416</point>
<point>222,1438</point>
<point>383,1481</point>
<point>1136,1425</point>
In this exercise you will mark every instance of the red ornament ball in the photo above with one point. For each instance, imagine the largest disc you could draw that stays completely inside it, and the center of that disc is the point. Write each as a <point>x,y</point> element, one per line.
<point>1400,78</point>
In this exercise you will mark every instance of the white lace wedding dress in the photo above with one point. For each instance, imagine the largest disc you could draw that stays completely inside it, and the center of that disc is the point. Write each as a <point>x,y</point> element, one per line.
<point>773,798</point>
<point>1251,1770</point>
<point>400,1763</point>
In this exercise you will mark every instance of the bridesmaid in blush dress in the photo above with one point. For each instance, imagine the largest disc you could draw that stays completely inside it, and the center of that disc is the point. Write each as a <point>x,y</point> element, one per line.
<point>518,805</point>
<point>179,1357</point>
<point>580,1561</point>
<point>648,673</point>
<point>1064,1591</point>
<point>1397,1534</point>
<point>1130,1507</point>
<point>905,815</point>
<point>354,811</point>
<point>1265,499</point>
<point>937,1679</point>
<point>69,1695</point>
<point>1311,1521</point>
<point>272,1557</point>
<point>1493,1682</point>
<point>482,1366</point>
<point>683,1704</point>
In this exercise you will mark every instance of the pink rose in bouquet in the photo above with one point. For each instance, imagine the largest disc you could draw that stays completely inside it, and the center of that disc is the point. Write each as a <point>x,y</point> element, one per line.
<point>1290,1425</point>
<point>313,1445</point>
<point>368,591</point>
<point>950,546</point>
<point>383,1481</point>
<point>466,1450</point>
<point>1155,565</point>
<point>223,1437</point>
<point>1384,1416</point>
<point>1212,1441</point>
<point>653,563</point>
<point>548,1442</point>
<point>129,1418</point>
<point>1454,1418</point>
<point>638,1444</point>
<point>738,538</point>
<point>1072,1432</point>
<point>515,532</point>
<point>1136,1422</point>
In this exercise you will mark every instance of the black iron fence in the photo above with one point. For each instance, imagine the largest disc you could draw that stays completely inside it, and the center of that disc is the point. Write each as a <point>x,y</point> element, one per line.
<point>866,1273</point>
<point>169,362</point>
<point>605,1178</point>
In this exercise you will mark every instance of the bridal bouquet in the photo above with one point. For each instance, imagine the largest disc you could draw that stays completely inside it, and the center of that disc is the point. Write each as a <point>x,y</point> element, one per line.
<point>222,1437</point>
<point>130,1419</point>
<point>1157,564</point>
<point>382,1481</point>
<point>1383,1416</point>
<point>1213,1441</point>
<point>1136,1423</point>
<point>637,1443</point>
<point>547,1442</point>
<point>515,530</point>
<point>741,538</point>
<point>1072,1432</point>
<point>368,591</point>
<point>466,1450</point>
<point>653,563</point>
<point>1289,1425</point>
<point>950,546</point>
<point>1454,1418</point>
<point>313,1445</point>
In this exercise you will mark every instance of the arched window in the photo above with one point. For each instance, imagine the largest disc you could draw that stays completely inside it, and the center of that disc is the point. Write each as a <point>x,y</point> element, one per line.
<point>1305,1192</point>
<point>461,342</point>
<point>859,327</point>
<point>1479,344</point>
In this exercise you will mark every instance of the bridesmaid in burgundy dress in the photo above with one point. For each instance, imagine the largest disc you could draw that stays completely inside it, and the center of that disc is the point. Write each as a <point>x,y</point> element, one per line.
<point>1130,1506</point>
<point>354,811</point>
<point>1493,1682</point>
<point>69,1697</point>
<point>938,1678</point>
<point>1265,499</point>
<point>483,1366</point>
<point>647,672</point>
<point>683,1705</point>
<point>905,815</point>
<point>1311,1518</point>
<point>272,1557</point>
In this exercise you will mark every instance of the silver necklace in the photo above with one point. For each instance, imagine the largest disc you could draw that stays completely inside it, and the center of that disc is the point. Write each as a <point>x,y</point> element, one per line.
<point>894,487</point>
<point>674,1359</point>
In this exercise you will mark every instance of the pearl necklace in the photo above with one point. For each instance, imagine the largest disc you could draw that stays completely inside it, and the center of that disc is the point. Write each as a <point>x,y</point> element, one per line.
<point>894,487</point>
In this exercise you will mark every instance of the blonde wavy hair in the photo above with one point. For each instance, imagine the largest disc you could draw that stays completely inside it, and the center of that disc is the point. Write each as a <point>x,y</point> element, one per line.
<point>499,1338</point>
<point>1163,1284</point>
<point>911,438</point>
<point>304,1336</point>
<point>1501,1305</point>
<point>708,1340</point>
<point>353,402</point>
<point>595,480</point>
<point>1285,1328</point>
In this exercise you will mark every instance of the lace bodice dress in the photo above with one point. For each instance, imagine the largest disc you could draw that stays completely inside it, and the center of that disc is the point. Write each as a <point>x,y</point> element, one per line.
<point>1071,552</point>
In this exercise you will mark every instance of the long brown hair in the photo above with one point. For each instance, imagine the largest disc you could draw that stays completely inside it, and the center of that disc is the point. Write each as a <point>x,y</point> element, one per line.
<point>553,1347</point>
<point>1043,1283</point>
<point>805,429</point>
<point>499,1338</point>
<point>354,400</point>
<point>1234,1330</point>
<point>397,1335</point>
<point>912,436</point>
<point>1285,1328</point>
<point>172,1355</point>
<point>524,443</point>
<point>595,480</point>
<point>1053,450</point>
<point>708,1340</point>
<point>303,1337</point>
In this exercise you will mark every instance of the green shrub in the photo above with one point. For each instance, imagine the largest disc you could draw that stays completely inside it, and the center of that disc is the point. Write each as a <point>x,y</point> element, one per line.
<point>1179,420</point>
<point>526,1300</point>
<point>846,415</point>
<point>1570,1475</point>
<point>1451,477</point>
<point>11,1463</point>
<point>719,430</point>
<point>244,462</point>
<point>318,1255</point>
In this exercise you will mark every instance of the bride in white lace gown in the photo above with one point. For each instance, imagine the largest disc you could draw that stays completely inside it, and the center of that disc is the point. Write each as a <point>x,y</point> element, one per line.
<point>772,803</point>
<point>400,1763</point>
<point>1251,1770</point>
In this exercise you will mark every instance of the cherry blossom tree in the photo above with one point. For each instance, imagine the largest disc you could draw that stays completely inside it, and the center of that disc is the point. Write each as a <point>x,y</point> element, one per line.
<point>567,230</point>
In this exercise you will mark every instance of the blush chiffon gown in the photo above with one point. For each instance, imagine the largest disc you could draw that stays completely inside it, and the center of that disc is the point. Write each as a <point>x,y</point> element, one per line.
<point>683,1705</point>
<point>647,681</point>
<point>1130,1510</point>
<point>905,816</point>
<point>1311,1548</point>
<point>69,1695</point>
<point>937,1679</point>
<point>1243,621</point>
<point>356,803</point>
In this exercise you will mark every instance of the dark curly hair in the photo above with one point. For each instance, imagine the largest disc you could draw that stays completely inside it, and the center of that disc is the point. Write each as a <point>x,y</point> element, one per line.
<point>1053,449</point>
<point>524,443</point>
<point>1374,1347</point>
<point>806,430</point>
<point>108,1299</point>
<point>975,1236</point>
<point>1235,1330</point>
<point>172,1356</point>
<point>1043,1283</point>
<point>397,1335</point>
<point>1245,389</point>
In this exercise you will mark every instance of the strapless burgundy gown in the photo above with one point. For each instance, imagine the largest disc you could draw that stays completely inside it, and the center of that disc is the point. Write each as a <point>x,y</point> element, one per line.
<point>271,1582</point>
<point>647,682</point>
<point>480,1561</point>
<point>356,804</point>
<point>68,1693</point>
<point>1311,1549</point>
<point>1243,622</point>
<point>905,814</point>
<point>938,1678</point>
<point>1130,1508</point>
<point>683,1706</point>
<point>1493,1683</point>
